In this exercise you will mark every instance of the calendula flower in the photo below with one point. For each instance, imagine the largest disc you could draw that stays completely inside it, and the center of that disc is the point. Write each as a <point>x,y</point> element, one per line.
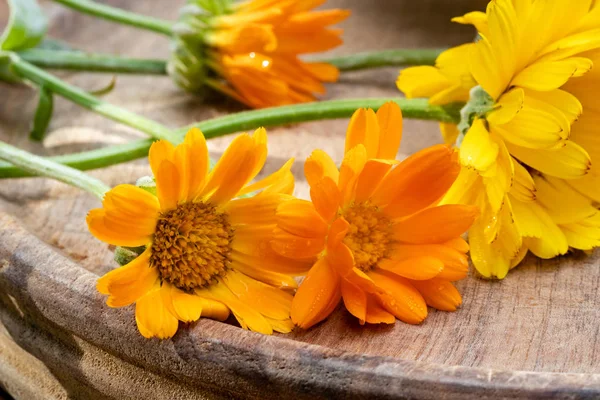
<point>373,234</point>
<point>528,132</point>
<point>251,50</point>
<point>207,249</point>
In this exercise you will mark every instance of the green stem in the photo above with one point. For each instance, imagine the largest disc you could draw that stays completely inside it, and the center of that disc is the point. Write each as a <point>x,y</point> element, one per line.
<point>41,78</point>
<point>385,58</point>
<point>44,167</point>
<point>119,15</point>
<point>80,61</point>
<point>89,62</point>
<point>411,108</point>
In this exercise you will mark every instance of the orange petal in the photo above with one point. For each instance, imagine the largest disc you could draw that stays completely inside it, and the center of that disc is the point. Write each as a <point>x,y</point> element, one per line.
<point>258,272</point>
<point>376,314</point>
<point>436,225</point>
<point>363,129</point>
<point>419,268</point>
<point>400,298</point>
<point>313,42</point>
<point>355,300</point>
<point>455,262</point>
<point>370,177</point>
<point>326,198</point>
<point>418,182</point>
<point>389,117</point>
<point>259,209</point>
<point>352,166</point>
<point>281,181</point>
<point>317,296</point>
<point>160,151</point>
<point>168,184</point>
<point>128,283</point>
<point>128,218</point>
<point>322,71</point>
<point>198,161</point>
<point>319,165</point>
<point>267,300</point>
<point>296,247</point>
<point>300,218</point>
<point>248,317</point>
<point>240,163</point>
<point>439,293</point>
<point>152,315</point>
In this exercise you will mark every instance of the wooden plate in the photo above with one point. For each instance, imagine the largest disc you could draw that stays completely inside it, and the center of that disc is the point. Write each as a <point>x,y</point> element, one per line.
<point>533,335</point>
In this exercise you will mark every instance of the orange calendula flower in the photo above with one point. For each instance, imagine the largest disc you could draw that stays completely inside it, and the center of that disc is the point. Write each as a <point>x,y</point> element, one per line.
<point>207,249</point>
<point>251,50</point>
<point>373,234</point>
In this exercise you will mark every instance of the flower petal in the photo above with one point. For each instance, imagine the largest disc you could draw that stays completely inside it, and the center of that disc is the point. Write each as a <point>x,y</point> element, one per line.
<point>152,316</point>
<point>389,117</point>
<point>363,129</point>
<point>355,300</point>
<point>436,225</point>
<point>400,298</point>
<point>418,182</point>
<point>300,218</point>
<point>168,185</point>
<point>319,165</point>
<point>439,293</point>
<point>128,217</point>
<point>326,198</point>
<point>317,296</point>
<point>418,268</point>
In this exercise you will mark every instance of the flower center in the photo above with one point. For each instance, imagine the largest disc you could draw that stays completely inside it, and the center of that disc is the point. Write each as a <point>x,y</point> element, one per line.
<point>191,245</point>
<point>369,234</point>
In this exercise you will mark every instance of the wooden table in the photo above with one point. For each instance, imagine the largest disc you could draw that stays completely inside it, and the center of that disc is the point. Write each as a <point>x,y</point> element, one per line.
<point>532,335</point>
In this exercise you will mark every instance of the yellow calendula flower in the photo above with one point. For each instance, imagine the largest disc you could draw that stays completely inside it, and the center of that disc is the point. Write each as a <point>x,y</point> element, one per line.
<point>528,132</point>
<point>251,50</point>
<point>207,249</point>
<point>373,234</point>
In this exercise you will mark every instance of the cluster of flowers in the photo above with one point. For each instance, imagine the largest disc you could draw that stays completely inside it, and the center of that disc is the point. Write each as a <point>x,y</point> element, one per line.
<point>372,234</point>
<point>382,236</point>
<point>529,134</point>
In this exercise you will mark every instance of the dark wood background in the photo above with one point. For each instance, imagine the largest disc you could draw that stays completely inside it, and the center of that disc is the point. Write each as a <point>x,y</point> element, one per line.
<point>543,317</point>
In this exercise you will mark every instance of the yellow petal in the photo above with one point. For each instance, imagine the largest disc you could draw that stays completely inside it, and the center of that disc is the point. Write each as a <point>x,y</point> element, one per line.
<point>568,162</point>
<point>476,18</point>
<point>478,150</point>
<point>186,307</point>
<point>152,316</point>
<point>507,107</point>
<point>550,75</point>
<point>300,218</point>
<point>259,209</point>
<point>248,317</point>
<point>198,161</point>
<point>160,151</point>
<point>449,133</point>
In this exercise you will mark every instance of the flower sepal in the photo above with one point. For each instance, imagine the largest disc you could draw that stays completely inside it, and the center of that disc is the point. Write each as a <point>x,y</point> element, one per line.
<point>479,105</point>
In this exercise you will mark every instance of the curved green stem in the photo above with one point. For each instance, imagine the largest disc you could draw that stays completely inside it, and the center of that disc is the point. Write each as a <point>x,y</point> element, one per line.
<point>411,108</point>
<point>45,167</point>
<point>89,62</point>
<point>41,78</point>
<point>119,15</point>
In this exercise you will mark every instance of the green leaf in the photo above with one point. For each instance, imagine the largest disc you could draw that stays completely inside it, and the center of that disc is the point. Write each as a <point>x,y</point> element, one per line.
<point>43,114</point>
<point>26,27</point>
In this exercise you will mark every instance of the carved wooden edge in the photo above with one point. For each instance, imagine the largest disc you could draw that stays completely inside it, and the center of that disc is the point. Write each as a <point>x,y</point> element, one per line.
<point>53,296</point>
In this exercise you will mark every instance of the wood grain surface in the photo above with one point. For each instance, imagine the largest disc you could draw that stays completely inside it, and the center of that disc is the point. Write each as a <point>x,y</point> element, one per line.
<point>543,319</point>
